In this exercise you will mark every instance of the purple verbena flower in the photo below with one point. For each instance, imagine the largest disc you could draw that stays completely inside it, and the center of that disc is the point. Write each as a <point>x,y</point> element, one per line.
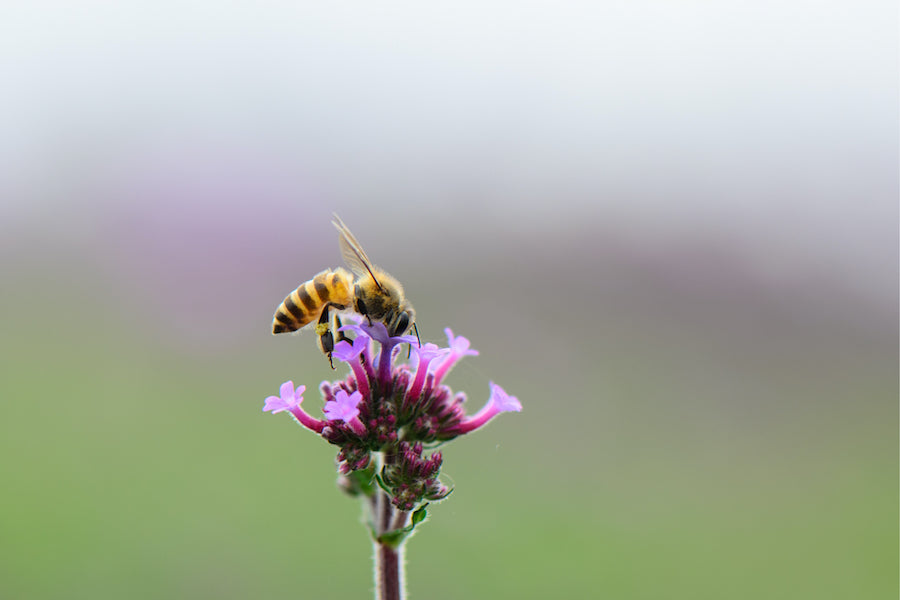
<point>349,353</point>
<point>289,398</point>
<point>378,332</point>
<point>383,416</point>
<point>498,402</point>
<point>424,357</point>
<point>345,408</point>
<point>290,401</point>
<point>459,347</point>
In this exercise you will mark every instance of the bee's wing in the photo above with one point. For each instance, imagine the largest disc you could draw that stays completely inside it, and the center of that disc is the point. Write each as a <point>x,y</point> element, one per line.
<point>353,254</point>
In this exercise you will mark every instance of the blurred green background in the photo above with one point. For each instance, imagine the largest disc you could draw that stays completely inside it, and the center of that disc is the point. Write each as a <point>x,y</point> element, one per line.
<point>670,229</point>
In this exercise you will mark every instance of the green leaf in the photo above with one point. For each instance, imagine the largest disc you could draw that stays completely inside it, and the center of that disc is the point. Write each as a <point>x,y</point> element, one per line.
<point>396,537</point>
<point>384,486</point>
<point>359,483</point>
<point>419,516</point>
<point>393,538</point>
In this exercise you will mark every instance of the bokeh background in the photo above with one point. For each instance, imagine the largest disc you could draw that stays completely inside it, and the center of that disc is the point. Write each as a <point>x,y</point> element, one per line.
<point>669,227</point>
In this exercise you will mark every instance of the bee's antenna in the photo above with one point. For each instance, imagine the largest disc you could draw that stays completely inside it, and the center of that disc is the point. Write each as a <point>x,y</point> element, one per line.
<point>409,348</point>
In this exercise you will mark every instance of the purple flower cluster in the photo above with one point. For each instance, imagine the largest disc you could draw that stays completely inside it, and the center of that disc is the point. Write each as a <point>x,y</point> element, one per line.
<point>384,416</point>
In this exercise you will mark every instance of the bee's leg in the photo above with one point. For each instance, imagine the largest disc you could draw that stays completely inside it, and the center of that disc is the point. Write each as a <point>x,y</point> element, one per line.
<point>325,330</point>
<point>341,336</point>
<point>326,338</point>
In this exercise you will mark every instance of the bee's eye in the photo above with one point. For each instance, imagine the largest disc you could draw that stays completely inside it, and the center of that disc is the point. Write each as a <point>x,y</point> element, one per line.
<point>402,323</point>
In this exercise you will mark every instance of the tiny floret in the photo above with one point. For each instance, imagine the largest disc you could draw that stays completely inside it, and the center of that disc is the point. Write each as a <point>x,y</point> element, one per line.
<point>498,402</point>
<point>502,401</point>
<point>459,345</point>
<point>428,352</point>
<point>344,407</point>
<point>378,332</point>
<point>289,398</point>
<point>346,351</point>
<point>290,401</point>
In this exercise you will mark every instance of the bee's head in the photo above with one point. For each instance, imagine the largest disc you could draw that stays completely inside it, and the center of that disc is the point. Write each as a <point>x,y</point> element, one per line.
<point>377,301</point>
<point>384,301</point>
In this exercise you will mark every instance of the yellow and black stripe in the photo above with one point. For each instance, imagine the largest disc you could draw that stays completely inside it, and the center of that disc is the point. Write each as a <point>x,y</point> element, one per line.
<point>305,304</point>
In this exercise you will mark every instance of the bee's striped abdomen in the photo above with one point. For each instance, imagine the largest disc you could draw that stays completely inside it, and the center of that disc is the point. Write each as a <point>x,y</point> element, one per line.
<point>304,305</point>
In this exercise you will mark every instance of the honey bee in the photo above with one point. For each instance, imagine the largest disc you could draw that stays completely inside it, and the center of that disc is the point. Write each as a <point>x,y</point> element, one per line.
<point>372,293</point>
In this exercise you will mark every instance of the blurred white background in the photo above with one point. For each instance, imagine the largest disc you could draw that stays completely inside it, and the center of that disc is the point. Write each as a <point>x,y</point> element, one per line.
<point>771,125</point>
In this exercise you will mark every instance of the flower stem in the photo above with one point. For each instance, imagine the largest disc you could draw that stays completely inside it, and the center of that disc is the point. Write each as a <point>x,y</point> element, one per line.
<point>390,575</point>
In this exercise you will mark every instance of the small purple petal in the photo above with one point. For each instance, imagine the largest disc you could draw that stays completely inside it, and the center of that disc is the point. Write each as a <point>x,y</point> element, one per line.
<point>298,395</point>
<point>378,332</point>
<point>287,391</point>
<point>275,404</point>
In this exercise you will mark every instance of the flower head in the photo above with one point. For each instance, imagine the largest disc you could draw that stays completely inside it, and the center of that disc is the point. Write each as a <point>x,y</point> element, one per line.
<point>384,415</point>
